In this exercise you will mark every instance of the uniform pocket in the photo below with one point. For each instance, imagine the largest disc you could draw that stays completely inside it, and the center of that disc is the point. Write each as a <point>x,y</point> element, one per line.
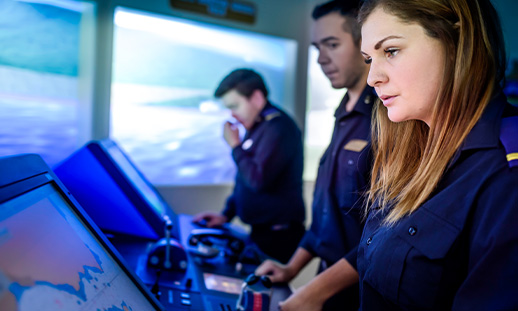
<point>429,238</point>
<point>406,263</point>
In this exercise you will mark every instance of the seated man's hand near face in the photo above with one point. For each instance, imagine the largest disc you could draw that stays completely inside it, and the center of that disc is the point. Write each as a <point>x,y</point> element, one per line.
<point>231,134</point>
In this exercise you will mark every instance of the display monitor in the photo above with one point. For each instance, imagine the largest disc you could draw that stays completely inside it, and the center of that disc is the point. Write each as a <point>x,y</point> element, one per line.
<point>52,256</point>
<point>114,193</point>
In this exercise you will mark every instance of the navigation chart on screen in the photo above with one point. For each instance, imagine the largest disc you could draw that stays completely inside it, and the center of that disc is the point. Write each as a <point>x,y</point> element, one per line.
<point>51,262</point>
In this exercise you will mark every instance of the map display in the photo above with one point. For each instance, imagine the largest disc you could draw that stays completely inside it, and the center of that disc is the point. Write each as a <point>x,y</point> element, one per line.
<point>49,261</point>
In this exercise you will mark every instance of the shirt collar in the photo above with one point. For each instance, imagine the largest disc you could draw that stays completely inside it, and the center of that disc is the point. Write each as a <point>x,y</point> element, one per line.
<point>363,105</point>
<point>267,109</point>
<point>486,132</point>
<point>260,117</point>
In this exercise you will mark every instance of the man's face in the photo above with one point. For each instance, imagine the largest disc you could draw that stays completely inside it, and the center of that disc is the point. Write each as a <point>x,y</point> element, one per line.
<point>243,109</point>
<point>339,58</point>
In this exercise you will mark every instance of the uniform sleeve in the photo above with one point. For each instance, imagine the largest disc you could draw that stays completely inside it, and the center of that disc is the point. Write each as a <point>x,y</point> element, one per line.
<point>352,256</point>
<point>492,275</point>
<point>273,151</point>
<point>308,242</point>
<point>311,238</point>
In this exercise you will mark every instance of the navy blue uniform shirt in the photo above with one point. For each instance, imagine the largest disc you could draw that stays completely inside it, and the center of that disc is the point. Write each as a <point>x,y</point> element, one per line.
<point>459,250</point>
<point>343,175</point>
<point>268,184</point>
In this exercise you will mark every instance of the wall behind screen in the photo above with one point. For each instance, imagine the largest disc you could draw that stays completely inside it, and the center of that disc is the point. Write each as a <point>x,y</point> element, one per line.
<point>508,9</point>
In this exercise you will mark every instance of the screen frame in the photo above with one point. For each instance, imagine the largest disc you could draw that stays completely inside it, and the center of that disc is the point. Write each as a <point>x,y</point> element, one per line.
<point>27,172</point>
<point>101,151</point>
<point>110,186</point>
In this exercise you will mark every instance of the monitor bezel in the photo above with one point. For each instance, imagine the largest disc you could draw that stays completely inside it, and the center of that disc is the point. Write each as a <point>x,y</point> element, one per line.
<point>27,172</point>
<point>100,149</point>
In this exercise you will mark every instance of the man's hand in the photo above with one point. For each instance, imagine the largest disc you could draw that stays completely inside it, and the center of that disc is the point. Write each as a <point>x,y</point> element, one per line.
<point>276,272</point>
<point>231,134</point>
<point>212,219</point>
<point>302,300</point>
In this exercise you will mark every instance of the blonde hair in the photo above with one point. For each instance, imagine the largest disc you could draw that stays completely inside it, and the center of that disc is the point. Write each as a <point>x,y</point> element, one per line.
<point>410,157</point>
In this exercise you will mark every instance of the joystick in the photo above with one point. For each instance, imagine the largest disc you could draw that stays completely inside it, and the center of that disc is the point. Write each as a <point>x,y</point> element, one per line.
<point>167,253</point>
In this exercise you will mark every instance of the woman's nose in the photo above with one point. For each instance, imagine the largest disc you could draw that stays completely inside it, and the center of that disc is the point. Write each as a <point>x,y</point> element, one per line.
<point>376,75</point>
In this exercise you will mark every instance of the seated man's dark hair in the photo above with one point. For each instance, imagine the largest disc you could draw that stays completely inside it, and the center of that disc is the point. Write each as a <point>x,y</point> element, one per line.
<point>244,81</point>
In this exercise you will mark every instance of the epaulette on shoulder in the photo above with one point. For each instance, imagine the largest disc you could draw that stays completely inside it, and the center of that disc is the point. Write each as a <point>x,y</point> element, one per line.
<point>509,138</point>
<point>271,113</point>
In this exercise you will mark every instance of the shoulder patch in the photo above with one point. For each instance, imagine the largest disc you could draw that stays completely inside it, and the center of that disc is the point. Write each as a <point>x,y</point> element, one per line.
<point>509,138</point>
<point>271,114</point>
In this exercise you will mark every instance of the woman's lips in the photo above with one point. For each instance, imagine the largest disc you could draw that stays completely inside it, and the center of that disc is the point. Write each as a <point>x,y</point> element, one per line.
<point>387,99</point>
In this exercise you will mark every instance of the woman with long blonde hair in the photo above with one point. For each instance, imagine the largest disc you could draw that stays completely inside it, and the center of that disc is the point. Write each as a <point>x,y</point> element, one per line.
<point>441,230</point>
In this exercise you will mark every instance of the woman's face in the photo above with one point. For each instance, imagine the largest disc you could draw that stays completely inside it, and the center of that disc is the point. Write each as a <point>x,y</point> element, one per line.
<point>407,66</point>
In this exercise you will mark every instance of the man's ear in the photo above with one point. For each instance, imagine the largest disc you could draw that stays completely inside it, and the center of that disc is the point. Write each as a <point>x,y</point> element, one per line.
<point>257,99</point>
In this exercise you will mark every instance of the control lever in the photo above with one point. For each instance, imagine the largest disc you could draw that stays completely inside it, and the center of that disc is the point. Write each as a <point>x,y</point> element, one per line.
<point>252,299</point>
<point>167,253</point>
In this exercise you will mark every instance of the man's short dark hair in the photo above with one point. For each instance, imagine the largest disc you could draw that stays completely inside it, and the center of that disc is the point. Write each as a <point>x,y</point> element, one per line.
<point>244,81</point>
<point>346,8</point>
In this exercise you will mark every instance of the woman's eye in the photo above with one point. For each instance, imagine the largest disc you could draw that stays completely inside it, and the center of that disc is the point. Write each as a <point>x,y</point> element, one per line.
<point>391,52</point>
<point>368,60</point>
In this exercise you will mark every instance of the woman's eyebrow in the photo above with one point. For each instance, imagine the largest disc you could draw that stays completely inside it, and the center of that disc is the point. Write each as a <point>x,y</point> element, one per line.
<point>378,45</point>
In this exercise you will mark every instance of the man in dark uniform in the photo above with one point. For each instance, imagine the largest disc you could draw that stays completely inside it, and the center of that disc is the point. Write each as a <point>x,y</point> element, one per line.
<point>268,186</point>
<point>343,173</point>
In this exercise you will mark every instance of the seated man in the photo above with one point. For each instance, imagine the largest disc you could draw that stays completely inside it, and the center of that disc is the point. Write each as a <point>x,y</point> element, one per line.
<point>268,186</point>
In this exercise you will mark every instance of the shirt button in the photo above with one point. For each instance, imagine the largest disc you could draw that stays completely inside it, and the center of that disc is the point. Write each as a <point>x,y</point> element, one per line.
<point>343,123</point>
<point>350,162</point>
<point>369,240</point>
<point>412,230</point>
